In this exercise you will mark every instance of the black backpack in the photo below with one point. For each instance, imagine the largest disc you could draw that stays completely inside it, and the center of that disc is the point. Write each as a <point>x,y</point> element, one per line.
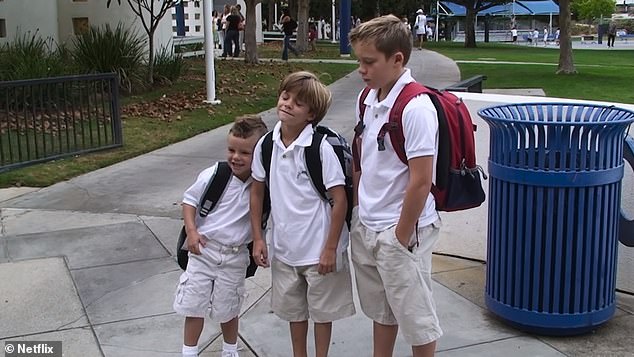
<point>213,192</point>
<point>313,162</point>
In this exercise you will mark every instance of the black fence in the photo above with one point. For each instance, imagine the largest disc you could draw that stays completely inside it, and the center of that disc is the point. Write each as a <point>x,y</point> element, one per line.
<point>50,118</point>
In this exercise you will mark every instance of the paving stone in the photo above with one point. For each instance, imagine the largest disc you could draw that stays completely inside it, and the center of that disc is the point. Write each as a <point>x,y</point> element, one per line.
<point>517,346</point>
<point>150,294</point>
<point>87,247</point>
<point>77,342</point>
<point>16,221</point>
<point>468,283</point>
<point>614,338</point>
<point>159,336</point>
<point>38,296</point>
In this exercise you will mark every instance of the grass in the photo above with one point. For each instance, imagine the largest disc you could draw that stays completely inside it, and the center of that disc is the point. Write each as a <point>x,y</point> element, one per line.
<point>603,75</point>
<point>323,49</point>
<point>242,89</point>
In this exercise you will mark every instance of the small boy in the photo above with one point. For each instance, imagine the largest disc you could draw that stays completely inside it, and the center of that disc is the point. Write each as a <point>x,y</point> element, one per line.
<point>307,249</point>
<point>218,256</point>
<point>395,225</point>
<point>312,37</point>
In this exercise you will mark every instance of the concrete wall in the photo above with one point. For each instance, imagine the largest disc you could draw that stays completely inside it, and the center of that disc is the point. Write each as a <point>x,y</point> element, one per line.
<point>98,14</point>
<point>29,15</point>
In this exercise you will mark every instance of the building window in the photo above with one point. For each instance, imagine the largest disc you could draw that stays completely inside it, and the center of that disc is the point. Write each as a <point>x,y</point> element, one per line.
<point>3,28</point>
<point>185,4</point>
<point>186,16</point>
<point>173,16</point>
<point>197,16</point>
<point>196,3</point>
<point>197,28</point>
<point>186,28</point>
<point>80,25</point>
<point>174,29</point>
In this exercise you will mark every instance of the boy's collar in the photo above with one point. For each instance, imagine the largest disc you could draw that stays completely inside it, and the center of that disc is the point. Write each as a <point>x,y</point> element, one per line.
<point>373,100</point>
<point>304,139</point>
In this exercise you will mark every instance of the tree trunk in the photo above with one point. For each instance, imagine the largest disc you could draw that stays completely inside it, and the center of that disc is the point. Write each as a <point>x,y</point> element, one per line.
<point>566,62</point>
<point>302,25</point>
<point>150,60</point>
<point>250,44</point>
<point>469,29</point>
<point>271,16</point>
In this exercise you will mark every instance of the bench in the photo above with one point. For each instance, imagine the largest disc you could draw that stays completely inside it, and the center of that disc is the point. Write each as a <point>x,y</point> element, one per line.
<point>275,36</point>
<point>472,85</point>
<point>625,37</point>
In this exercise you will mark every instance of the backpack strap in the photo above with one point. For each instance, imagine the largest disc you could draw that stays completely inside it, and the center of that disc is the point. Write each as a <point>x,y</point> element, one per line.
<point>358,130</point>
<point>394,125</point>
<point>267,152</point>
<point>215,188</point>
<point>313,164</point>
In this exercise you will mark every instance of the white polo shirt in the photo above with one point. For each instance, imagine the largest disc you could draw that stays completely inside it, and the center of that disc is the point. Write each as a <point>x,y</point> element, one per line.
<point>384,177</point>
<point>300,217</point>
<point>229,223</point>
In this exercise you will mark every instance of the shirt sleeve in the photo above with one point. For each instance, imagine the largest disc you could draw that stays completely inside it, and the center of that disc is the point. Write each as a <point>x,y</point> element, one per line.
<point>330,167</point>
<point>257,169</point>
<point>195,192</point>
<point>420,127</point>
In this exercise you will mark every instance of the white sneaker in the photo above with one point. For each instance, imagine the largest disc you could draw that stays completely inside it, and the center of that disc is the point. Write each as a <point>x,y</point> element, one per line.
<point>230,354</point>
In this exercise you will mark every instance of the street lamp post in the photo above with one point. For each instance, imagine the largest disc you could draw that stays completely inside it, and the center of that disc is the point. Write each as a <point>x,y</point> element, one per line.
<point>334,21</point>
<point>209,53</point>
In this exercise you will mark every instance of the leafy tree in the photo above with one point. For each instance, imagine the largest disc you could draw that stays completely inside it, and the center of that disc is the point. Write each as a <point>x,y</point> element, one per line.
<point>593,9</point>
<point>473,7</point>
<point>150,13</point>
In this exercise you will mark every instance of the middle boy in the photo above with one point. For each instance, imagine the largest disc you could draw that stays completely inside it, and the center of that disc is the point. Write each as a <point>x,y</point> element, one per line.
<point>308,242</point>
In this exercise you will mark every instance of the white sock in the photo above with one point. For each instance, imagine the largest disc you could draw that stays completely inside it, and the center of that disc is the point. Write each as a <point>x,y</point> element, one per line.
<point>190,351</point>
<point>229,347</point>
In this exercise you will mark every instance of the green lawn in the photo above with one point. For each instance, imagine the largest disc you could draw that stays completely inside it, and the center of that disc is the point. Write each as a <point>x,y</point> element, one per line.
<point>602,75</point>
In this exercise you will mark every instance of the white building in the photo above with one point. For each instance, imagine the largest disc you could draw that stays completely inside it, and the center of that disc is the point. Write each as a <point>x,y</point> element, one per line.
<point>60,20</point>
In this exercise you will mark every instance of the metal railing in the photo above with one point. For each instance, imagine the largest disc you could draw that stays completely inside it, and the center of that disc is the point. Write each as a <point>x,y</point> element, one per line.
<point>50,118</point>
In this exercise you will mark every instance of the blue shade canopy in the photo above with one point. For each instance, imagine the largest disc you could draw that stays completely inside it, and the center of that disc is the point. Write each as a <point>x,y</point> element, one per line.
<point>519,8</point>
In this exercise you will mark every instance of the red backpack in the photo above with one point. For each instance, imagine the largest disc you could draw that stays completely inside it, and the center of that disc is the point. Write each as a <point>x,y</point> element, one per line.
<point>458,185</point>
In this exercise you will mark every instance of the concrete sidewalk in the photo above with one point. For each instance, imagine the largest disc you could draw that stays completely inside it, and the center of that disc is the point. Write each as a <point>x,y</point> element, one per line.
<point>90,262</point>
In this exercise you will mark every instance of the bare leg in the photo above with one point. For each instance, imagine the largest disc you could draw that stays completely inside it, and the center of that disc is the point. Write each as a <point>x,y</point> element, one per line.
<point>384,339</point>
<point>193,329</point>
<point>427,350</point>
<point>299,333</point>
<point>323,332</point>
<point>230,331</point>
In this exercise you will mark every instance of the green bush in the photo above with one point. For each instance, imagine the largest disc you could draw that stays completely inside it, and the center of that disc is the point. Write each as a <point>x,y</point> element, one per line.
<point>120,50</point>
<point>30,56</point>
<point>168,66</point>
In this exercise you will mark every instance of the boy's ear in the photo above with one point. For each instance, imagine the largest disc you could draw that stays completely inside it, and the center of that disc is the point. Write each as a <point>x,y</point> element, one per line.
<point>399,58</point>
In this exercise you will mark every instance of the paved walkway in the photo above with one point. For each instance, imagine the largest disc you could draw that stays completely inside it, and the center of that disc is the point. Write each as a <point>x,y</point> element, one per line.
<point>90,262</point>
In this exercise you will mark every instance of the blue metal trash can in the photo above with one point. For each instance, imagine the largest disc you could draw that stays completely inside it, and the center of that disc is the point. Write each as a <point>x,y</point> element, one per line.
<point>554,195</point>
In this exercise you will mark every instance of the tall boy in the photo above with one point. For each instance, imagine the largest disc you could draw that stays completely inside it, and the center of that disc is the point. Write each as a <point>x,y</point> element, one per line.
<point>395,224</point>
<point>309,265</point>
<point>218,256</point>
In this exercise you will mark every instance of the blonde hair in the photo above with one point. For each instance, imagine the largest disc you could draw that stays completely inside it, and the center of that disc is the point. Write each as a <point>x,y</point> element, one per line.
<point>388,34</point>
<point>248,125</point>
<point>309,90</point>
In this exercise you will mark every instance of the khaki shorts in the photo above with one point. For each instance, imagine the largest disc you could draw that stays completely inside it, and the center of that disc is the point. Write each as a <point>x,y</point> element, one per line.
<point>406,299</point>
<point>213,283</point>
<point>300,293</point>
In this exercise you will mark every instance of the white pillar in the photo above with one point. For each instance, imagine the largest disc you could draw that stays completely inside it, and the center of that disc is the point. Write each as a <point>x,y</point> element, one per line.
<point>276,18</point>
<point>334,23</point>
<point>437,20</point>
<point>210,70</point>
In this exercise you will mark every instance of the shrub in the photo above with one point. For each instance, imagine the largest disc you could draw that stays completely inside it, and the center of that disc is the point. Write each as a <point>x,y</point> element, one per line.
<point>30,56</point>
<point>120,50</point>
<point>168,66</point>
